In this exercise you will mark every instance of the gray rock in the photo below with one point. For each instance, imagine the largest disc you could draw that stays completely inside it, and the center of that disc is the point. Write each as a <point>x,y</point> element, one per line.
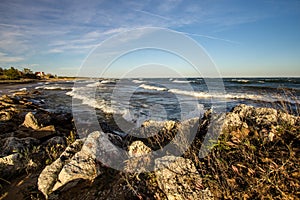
<point>139,158</point>
<point>179,180</point>
<point>49,175</point>
<point>75,164</point>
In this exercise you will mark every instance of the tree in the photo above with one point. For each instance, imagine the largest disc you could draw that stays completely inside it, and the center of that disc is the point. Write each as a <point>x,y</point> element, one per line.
<point>27,71</point>
<point>12,73</point>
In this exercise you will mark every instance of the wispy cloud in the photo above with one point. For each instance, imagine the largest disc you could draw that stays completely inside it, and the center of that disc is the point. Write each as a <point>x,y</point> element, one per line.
<point>210,37</point>
<point>4,58</point>
<point>153,14</point>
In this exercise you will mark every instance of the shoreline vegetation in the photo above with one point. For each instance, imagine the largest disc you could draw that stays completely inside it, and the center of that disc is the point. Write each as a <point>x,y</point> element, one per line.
<point>256,156</point>
<point>15,76</point>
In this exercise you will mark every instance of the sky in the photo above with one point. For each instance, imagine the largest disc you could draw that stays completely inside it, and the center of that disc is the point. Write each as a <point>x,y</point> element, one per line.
<point>243,38</point>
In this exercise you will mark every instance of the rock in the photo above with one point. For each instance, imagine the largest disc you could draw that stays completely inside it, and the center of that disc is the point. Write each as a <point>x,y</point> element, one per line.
<point>41,134</point>
<point>21,93</point>
<point>5,116</point>
<point>55,140</point>
<point>44,119</point>
<point>31,122</point>
<point>139,159</point>
<point>137,149</point>
<point>99,147</point>
<point>287,119</point>
<point>12,144</point>
<point>232,122</point>
<point>5,98</point>
<point>179,180</point>
<point>49,175</point>
<point>115,139</point>
<point>157,125</point>
<point>75,164</point>
<point>81,166</point>
<point>11,164</point>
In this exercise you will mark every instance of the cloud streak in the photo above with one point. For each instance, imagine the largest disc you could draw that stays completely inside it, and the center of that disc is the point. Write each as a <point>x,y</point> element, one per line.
<point>4,58</point>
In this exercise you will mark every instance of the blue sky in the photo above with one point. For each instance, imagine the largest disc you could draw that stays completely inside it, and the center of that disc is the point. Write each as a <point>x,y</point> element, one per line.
<point>243,38</point>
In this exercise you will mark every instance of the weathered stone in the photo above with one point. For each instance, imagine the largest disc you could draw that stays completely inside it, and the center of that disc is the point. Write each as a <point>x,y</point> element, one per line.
<point>232,122</point>
<point>179,180</point>
<point>137,149</point>
<point>31,122</point>
<point>49,175</point>
<point>80,164</point>
<point>139,157</point>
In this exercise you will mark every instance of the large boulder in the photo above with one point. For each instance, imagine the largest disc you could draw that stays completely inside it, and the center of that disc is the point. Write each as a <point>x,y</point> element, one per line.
<point>179,180</point>
<point>80,161</point>
<point>49,176</point>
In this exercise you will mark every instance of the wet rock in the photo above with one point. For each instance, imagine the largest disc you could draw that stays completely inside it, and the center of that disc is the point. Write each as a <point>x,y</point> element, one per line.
<point>12,144</point>
<point>179,180</point>
<point>31,122</point>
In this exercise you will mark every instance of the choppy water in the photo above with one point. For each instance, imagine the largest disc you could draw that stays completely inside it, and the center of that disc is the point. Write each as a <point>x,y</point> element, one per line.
<point>137,100</point>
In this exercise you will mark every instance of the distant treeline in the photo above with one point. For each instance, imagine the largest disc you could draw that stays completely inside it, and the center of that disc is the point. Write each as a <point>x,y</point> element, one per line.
<point>15,74</point>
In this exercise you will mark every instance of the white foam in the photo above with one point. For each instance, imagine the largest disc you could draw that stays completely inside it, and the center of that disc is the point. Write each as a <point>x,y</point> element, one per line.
<point>241,80</point>
<point>138,81</point>
<point>96,84</point>
<point>222,96</point>
<point>52,88</point>
<point>108,81</point>
<point>23,89</point>
<point>150,87</point>
<point>87,99</point>
<point>180,81</point>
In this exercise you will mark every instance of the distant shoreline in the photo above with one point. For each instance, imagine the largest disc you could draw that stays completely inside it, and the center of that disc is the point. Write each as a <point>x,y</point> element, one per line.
<point>25,81</point>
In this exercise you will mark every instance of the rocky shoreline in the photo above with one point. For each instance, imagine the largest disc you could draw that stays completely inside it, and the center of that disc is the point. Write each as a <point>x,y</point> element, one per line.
<point>256,156</point>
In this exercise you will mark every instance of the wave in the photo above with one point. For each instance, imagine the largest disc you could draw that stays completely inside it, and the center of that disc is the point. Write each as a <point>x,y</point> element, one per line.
<point>52,88</point>
<point>96,84</point>
<point>181,81</point>
<point>240,80</point>
<point>151,87</point>
<point>138,81</point>
<point>108,81</point>
<point>92,102</point>
<point>206,95</point>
